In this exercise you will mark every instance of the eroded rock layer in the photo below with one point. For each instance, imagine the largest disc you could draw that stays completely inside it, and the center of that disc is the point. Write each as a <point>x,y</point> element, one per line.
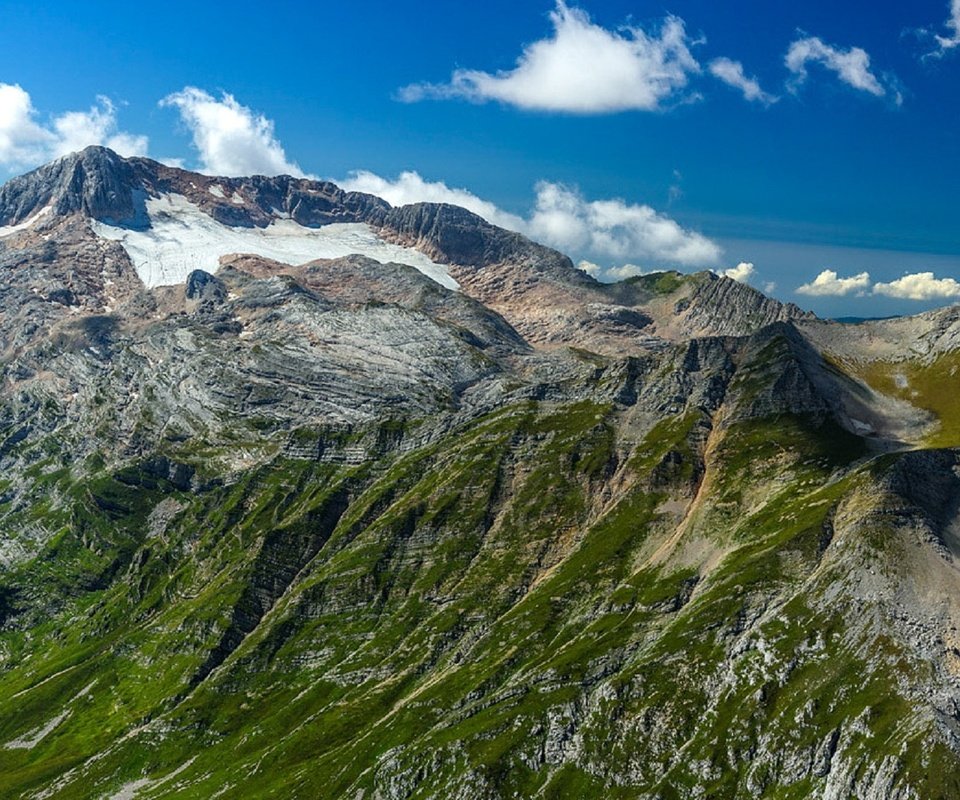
<point>337,528</point>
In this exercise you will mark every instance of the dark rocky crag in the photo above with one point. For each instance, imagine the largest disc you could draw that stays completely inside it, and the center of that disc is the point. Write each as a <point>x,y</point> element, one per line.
<point>334,530</point>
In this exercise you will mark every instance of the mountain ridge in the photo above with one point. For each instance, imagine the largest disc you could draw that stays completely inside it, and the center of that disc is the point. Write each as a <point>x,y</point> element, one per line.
<point>537,289</point>
<point>338,528</point>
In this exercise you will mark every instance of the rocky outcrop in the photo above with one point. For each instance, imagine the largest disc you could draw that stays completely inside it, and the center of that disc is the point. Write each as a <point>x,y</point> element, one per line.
<point>335,529</point>
<point>537,290</point>
<point>203,287</point>
<point>453,235</point>
<point>95,182</point>
<point>720,306</point>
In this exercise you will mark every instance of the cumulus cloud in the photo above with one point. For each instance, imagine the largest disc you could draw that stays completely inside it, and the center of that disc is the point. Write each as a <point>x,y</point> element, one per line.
<point>614,229</point>
<point>410,187</point>
<point>562,218</point>
<point>947,43</point>
<point>22,140</point>
<point>78,129</point>
<point>744,272</point>
<point>829,284</point>
<point>624,271</point>
<point>919,286</point>
<point>731,73</point>
<point>230,138</point>
<point>594,270</point>
<point>913,286</point>
<point>851,66</point>
<point>26,142</point>
<point>618,273</point>
<point>582,69</point>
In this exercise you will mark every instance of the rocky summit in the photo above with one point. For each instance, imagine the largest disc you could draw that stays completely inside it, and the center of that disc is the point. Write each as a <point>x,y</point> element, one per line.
<point>306,496</point>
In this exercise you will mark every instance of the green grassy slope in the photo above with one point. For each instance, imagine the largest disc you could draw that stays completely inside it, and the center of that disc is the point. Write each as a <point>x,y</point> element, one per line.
<point>505,612</point>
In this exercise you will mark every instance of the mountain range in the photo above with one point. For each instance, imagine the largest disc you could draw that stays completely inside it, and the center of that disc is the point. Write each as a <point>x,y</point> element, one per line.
<point>304,495</point>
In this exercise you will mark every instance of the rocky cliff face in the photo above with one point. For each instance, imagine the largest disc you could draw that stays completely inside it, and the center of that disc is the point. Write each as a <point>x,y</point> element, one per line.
<point>536,289</point>
<point>337,529</point>
<point>96,183</point>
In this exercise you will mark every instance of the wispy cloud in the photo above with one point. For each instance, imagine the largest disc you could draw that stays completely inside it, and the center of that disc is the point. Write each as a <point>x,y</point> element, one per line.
<point>732,73</point>
<point>26,142</point>
<point>920,286</point>
<point>948,42</point>
<point>563,218</point>
<point>582,69</point>
<point>230,138</point>
<point>851,66</point>
<point>829,284</point>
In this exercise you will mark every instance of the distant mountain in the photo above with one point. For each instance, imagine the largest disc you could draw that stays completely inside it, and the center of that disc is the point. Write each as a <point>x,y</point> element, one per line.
<point>303,495</point>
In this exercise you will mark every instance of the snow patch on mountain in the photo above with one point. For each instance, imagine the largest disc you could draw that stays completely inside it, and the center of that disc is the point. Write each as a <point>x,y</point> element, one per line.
<point>181,237</point>
<point>9,230</point>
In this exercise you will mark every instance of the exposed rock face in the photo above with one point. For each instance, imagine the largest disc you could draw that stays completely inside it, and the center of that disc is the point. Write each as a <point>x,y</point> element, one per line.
<point>457,236</point>
<point>334,529</point>
<point>537,290</point>
<point>202,286</point>
<point>95,182</point>
<point>724,307</point>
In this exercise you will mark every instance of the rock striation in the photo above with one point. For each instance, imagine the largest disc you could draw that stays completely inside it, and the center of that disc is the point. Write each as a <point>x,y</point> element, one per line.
<point>337,529</point>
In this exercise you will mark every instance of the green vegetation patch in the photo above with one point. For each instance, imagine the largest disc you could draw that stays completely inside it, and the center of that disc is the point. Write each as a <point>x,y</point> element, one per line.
<point>933,386</point>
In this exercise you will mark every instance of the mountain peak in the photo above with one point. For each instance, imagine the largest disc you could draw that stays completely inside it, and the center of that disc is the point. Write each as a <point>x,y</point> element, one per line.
<point>254,432</point>
<point>95,181</point>
<point>169,222</point>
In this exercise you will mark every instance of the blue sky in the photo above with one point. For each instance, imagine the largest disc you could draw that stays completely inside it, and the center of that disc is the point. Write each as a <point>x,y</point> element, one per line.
<point>801,138</point>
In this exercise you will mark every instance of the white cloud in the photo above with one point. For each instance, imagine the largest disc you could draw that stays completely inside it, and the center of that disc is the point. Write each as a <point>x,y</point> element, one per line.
<point>411,188</point>
<point>915,286</point>
<point>232,139</point>
<point>594,270</point>
<point>77,129</point>
<point>607,274</point>
<point>829,284</point>
<point>624,271</point>
<point>621,272</point>
<point>851,66</point>
<point>744,272</point>
<point>562,218</point>
<point>614,229</point>
<point>22,140</point>
<point>582,69</point>
<point>919,286</point>
<point>25,142</point>
<point>731,73</point>
<point>949,42</point>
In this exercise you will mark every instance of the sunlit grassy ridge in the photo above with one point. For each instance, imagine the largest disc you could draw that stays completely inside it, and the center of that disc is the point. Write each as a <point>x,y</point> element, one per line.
<point>932,385</point>
<point>481,610</point>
